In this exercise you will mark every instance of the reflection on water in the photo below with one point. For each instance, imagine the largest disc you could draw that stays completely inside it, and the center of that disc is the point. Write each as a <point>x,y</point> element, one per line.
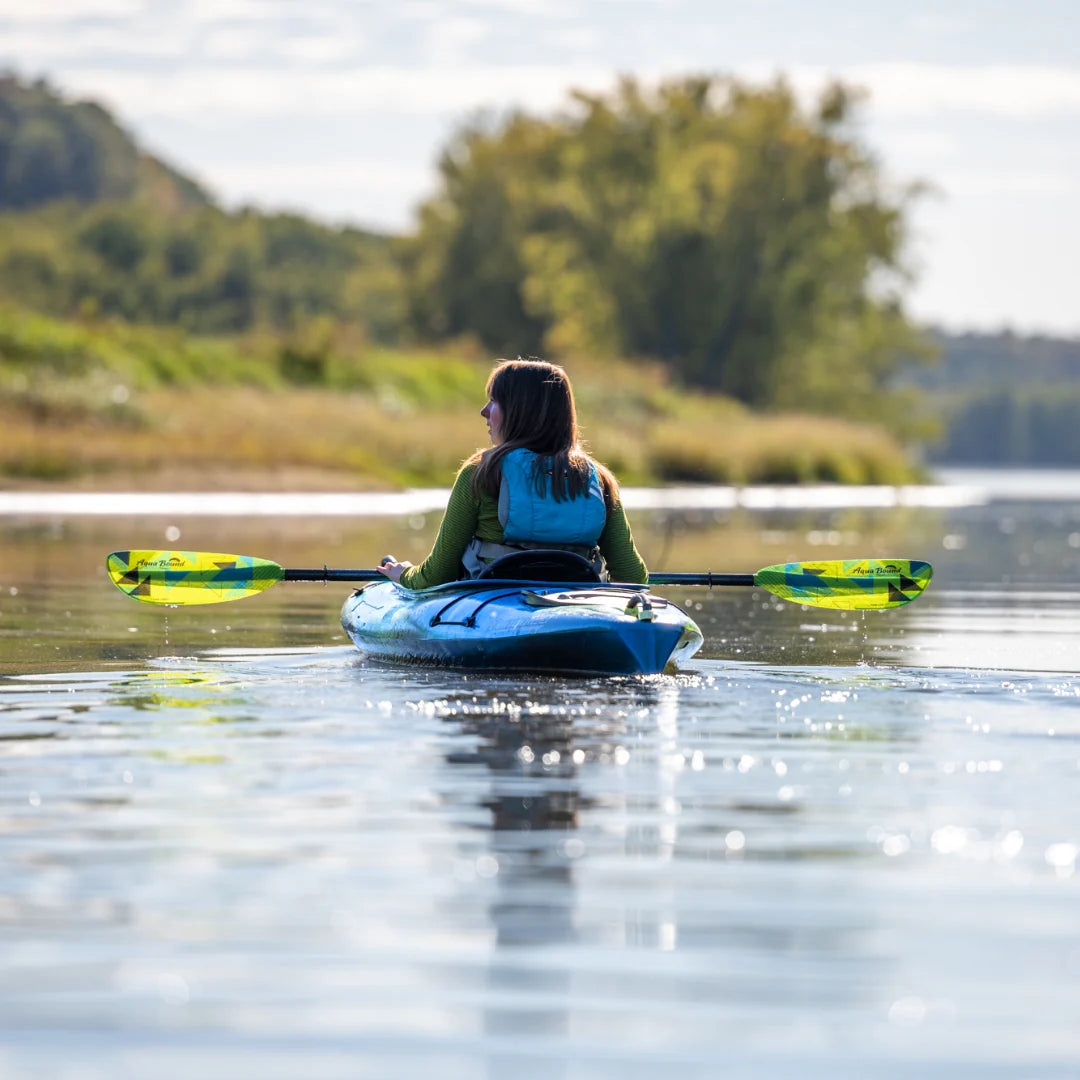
<point>837,845</point>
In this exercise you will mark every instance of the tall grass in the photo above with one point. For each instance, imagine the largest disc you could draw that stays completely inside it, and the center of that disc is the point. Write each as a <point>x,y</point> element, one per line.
<point>105,403</point>
<point>784,449</point>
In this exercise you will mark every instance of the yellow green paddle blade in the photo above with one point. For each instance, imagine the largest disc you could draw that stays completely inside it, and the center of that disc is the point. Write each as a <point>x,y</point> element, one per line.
<point>190,577</point>
<point>855,584</point>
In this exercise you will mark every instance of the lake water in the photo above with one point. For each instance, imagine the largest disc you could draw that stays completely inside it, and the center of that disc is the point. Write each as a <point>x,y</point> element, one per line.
<point>837,845</point>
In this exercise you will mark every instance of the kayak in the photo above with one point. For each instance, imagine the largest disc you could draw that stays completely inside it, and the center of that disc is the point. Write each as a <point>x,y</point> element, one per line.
<point>515,625</point>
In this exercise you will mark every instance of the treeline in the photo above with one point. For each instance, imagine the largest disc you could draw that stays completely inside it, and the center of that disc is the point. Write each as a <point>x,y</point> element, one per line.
<point>1003,399</point>
<point>717,227</point>
<point>1038,426</point>
<point>205,270</point>
<point>1002,360</point>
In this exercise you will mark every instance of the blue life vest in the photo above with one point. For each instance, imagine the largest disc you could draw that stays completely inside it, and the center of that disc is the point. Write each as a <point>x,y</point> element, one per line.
<point>528,517</point>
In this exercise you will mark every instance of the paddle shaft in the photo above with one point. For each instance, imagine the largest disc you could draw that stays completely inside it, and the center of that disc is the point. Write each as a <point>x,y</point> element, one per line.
<point>324,574</point>
<point>709,579</point>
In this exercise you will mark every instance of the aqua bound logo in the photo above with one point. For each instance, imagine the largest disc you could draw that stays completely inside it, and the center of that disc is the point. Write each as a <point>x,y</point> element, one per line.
<point>162,562</point>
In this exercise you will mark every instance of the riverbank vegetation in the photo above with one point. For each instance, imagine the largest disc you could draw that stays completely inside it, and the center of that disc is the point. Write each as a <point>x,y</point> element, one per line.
<point>103,403</point>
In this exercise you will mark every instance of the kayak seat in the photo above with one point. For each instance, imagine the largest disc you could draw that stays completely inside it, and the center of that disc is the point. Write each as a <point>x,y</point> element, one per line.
<point>542,564</point>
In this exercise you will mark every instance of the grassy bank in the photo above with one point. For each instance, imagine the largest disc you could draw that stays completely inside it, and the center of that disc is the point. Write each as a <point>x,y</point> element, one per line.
<point>107,405</point>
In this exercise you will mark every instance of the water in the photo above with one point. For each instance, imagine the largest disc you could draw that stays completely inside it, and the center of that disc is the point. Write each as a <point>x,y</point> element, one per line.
<point>838,844</point>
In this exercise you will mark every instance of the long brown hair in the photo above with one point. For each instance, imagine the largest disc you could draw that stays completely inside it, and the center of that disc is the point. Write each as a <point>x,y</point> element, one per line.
<point>536,405</point>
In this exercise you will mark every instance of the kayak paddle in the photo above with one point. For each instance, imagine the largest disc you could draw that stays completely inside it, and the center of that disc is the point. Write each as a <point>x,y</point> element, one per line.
<point>199,577</point>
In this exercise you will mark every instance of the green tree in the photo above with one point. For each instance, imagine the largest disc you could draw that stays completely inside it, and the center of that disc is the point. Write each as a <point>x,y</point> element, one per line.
<point>466,269</point>
<point>117,238</point>
<point>748,243</point>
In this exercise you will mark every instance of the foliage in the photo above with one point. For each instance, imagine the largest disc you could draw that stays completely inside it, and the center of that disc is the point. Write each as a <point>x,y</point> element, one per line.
<point>204,270</point>
<point>55,372</point>
<point>140,356</point>
<point>710,225</point>
<point>53,149</point>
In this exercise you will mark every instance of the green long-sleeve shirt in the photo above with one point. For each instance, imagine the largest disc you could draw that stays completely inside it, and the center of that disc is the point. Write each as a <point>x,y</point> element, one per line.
<point>468,515</point>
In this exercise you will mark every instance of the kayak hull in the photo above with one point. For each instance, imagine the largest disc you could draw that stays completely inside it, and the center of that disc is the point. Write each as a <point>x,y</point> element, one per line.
<point>522,626</point>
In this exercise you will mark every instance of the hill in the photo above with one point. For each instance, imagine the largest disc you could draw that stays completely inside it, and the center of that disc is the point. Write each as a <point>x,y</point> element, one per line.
<point>52,149</point>
<point>91,224</point>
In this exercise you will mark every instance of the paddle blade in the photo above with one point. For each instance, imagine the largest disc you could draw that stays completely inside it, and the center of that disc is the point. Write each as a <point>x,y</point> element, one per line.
<point>856,584</point>
<point>190,577</point>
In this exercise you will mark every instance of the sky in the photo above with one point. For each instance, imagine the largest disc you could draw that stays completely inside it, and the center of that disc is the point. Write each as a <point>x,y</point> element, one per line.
<point>339,108</point>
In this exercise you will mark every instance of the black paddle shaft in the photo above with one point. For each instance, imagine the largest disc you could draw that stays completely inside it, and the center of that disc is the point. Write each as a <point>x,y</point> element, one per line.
<point>325,574</point>
<point>708,579</point>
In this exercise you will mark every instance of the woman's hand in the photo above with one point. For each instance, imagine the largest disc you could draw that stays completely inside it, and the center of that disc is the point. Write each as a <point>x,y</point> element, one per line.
<point>392,568</point>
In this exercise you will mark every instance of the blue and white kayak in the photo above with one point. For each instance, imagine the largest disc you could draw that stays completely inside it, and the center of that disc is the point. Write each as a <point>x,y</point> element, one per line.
<point>512,625</point>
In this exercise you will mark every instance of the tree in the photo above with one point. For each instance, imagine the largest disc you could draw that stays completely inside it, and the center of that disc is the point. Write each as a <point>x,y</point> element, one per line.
<point>466,268</point>
<point>716,226</point>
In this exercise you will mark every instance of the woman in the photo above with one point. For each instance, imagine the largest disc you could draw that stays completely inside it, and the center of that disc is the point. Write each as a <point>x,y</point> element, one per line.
<point>535,488</point>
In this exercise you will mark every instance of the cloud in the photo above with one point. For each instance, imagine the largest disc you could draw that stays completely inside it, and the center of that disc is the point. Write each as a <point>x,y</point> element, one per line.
<point>434,10</point>
<point>44,47</point>
<point>238,43</point>
<point>119,46</point>
<point>987,183</point>
<point>202,92</point>
<point>316,49</point>
<point>222,11</point>
<point>575,38</point>
<point>378,192</point>
<point>68,10</point>
<point>939,24</point>
<point>449,40</point>
<point>322,174</point>
<point>906,89</point>
<point>923,144</point>
<point>190,91</point>
<point>548,9</point>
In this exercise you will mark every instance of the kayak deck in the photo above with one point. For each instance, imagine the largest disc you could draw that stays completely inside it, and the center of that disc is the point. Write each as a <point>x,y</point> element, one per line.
<point>512,625</point>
